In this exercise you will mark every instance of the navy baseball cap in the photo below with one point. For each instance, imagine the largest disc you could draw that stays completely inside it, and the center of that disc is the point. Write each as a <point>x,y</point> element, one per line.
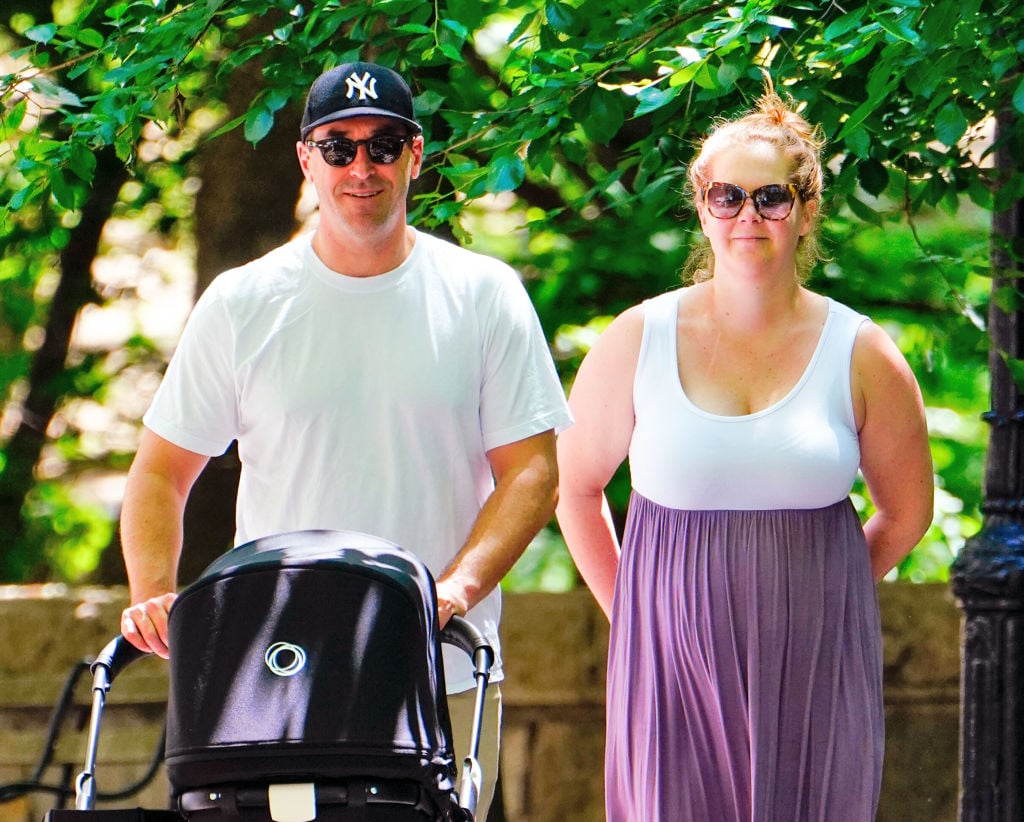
<point>356,90</point>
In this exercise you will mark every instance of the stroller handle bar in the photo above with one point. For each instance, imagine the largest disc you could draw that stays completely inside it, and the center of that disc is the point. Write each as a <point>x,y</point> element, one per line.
<point>116,655</point>
<point>466,636</point>
<point>119,653</point>
<point>463,634</point>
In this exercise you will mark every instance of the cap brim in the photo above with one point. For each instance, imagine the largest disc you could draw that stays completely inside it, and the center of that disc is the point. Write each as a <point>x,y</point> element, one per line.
<point>362,111</point>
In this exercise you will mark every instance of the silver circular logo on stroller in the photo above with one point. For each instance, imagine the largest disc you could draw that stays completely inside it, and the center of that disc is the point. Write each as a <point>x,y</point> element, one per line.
<point>285,659</point>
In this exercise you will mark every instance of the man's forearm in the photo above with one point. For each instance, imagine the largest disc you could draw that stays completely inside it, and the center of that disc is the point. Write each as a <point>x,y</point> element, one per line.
<point>158,485</point>
<point>522,502</point>
<point>151,536</point>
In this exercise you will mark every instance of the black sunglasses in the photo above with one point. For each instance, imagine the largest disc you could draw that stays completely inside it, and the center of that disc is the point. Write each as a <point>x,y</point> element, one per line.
<point>382,149</point>
<point>773,202</point>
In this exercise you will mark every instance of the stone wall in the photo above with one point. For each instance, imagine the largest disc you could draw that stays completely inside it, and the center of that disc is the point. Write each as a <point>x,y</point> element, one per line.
<point>554,702</point>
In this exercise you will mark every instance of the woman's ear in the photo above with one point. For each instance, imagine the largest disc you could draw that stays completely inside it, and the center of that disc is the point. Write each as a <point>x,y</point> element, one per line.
<point>807,214</point>
<point>702,215</point>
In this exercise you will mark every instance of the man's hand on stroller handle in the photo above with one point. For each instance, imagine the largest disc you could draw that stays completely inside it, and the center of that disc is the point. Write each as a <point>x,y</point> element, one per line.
<point>144,624</point>
<point>449,602</point>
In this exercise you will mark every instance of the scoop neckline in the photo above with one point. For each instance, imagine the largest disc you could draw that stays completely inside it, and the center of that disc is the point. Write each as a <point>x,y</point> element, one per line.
<point>775,406</point>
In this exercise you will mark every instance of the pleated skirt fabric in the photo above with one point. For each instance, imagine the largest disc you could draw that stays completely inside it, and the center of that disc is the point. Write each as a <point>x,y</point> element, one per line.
<point>744,671</point>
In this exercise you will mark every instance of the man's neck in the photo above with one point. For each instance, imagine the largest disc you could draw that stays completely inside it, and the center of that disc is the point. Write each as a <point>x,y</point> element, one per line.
<point>359,257</point>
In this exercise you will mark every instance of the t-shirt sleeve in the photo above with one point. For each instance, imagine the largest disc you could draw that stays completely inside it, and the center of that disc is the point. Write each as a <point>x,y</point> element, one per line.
<point>195,406</point>
<point>521,393</point>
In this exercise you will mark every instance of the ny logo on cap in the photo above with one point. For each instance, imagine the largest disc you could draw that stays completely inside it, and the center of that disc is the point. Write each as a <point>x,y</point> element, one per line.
<point>365,85</point>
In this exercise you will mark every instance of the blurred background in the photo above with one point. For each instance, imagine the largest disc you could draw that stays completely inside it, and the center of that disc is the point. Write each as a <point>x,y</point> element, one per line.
<point>147,146</point>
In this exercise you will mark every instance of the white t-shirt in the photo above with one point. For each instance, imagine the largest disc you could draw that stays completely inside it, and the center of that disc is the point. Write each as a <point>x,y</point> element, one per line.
<point>800,453</point>
<point>364,404</point>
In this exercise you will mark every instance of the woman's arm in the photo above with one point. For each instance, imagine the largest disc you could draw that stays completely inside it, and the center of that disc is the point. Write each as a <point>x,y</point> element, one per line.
<point>590,451</point>
<point>895,457</point>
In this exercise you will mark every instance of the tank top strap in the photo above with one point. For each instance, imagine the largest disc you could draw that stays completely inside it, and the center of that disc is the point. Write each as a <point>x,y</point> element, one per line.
<point>828,375</point>
<point>658,357</point>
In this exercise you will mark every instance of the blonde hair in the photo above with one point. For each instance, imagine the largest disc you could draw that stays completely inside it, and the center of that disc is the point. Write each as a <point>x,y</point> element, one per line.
<point>773,121</point>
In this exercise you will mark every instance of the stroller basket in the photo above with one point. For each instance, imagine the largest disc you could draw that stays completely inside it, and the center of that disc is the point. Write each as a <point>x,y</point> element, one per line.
<point>306,682</point>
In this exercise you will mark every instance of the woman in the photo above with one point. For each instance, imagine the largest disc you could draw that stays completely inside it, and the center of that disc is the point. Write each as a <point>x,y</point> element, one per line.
<point>744,672</point>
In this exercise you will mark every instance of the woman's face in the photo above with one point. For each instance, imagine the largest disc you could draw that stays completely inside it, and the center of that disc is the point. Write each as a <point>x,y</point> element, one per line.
<point>750,238</point>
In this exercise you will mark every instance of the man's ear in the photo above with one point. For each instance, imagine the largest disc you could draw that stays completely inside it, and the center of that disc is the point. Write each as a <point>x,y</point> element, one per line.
<point>416,146</point>
<point>303,151</point>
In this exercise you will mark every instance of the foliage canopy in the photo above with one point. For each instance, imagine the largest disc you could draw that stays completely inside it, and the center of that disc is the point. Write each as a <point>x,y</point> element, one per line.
<point>567,123</point>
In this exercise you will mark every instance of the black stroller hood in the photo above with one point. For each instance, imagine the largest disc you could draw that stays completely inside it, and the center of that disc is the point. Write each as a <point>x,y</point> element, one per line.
<point>312,654</point>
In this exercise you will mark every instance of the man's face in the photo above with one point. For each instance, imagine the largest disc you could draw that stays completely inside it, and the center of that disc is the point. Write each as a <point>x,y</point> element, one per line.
<point>364,194</point>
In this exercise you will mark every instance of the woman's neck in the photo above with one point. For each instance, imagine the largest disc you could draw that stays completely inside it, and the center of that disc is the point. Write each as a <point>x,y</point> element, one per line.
<point>752,306</point>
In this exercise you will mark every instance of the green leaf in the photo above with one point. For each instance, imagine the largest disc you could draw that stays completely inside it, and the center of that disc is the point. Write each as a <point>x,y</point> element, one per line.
<point>446,209</point>
<point>455,26</point>
<point>276,98</point>
<point>864,211</point>
<point>950,124</point>
<point>505,172</point>
<point>654,97</point>
<point>258,123</point>
<point>859,143</point>
<point>27,194</point>
<point>1018,97</point>
<point>1009,192</point>
<point>229,126</point>
<point>704,77</point>
<point>471,13</point>
<point>452,53</point>
<point>41,34</point>
<point>524,24</point>
<point>600,114</point>
<point>64,193</point>
<point>898,26</point>
<point>16,114</point>
<point>82,162</point>
<point>938,23</point>
<point>662,192</point>
<point>780,22</point>
<point>90,38</point>
<point>560,16</point>
<point>56,93</point>
<point>873,177</point>
<point>836,29</point>
<point>728,74</point>
<point>867,108</point>
<point>428,103</point>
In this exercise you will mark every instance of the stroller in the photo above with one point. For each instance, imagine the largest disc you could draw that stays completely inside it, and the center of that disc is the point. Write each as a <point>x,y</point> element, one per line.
<point>306,682</point>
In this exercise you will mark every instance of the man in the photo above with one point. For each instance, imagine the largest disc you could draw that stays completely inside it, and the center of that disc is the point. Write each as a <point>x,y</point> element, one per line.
<point>376,379</point>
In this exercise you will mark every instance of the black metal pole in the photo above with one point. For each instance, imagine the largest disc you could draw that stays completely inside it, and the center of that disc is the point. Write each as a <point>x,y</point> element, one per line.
<point>988,575</point>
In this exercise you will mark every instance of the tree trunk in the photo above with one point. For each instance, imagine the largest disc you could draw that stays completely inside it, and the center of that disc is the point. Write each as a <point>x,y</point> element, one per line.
<point>21,560</point>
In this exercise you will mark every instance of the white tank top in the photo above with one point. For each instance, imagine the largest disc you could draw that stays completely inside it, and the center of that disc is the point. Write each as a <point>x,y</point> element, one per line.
<point>802,452</point>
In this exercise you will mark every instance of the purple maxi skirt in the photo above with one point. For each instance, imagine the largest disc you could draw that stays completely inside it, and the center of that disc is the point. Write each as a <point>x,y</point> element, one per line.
<point>744,670</point>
